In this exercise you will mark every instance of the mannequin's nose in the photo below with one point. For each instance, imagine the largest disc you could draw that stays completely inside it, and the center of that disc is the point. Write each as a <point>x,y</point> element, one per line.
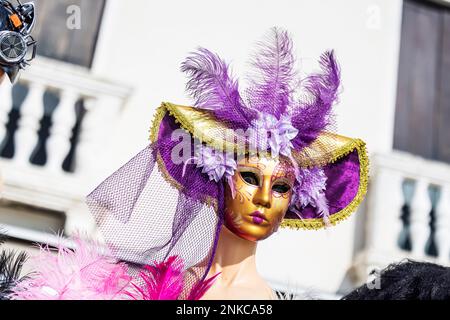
<point>263,196</point>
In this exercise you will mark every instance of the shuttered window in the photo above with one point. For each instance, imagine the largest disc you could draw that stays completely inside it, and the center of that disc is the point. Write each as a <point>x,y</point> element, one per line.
<point>58,41</point>
<point>422,121</point>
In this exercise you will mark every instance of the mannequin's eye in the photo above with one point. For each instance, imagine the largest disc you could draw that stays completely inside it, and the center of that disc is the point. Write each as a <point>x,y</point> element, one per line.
<point>281,187</point>
<point>250,177</point>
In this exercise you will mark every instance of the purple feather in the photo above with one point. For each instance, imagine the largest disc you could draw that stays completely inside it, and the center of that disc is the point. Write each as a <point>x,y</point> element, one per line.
<point>214,89</point>
<point>271,82</point>
<point>313,115</point>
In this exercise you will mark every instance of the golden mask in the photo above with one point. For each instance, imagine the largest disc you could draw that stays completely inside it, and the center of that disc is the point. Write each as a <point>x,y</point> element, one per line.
<point>263,190</point>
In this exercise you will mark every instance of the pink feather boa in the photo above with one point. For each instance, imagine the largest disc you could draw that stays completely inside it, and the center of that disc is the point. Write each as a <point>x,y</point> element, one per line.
<point>88,274</point>
<point>80,274</point>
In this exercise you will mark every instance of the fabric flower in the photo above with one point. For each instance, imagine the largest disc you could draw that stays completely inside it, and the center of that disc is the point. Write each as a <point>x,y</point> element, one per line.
<point>214,163</point>
<point>277,133</point>
<point>310,187</point>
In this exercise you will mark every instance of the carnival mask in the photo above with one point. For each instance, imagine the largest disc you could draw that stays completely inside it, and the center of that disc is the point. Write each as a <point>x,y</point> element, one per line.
<point>263,190</point>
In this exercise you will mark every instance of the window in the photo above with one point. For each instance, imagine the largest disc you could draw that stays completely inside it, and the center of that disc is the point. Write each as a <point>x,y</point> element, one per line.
<point>56,41</point>
<point>423,95</point>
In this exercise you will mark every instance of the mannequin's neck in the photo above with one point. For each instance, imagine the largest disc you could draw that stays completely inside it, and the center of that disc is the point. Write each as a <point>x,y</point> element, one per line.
<point>234,257</point>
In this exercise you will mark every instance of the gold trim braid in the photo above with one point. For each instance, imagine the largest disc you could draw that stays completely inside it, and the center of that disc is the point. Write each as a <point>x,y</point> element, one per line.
<point>207,129</point>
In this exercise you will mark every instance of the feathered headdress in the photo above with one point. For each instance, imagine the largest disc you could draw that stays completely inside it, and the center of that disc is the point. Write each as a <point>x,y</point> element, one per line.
<point>195,149</point>
<point>279,123</point>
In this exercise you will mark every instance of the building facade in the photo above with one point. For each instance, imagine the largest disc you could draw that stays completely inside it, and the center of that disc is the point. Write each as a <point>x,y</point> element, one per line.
<point>85,107</point>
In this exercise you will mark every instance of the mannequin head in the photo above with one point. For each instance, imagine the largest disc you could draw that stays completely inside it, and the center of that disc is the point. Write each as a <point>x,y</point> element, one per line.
<point>263,193</point>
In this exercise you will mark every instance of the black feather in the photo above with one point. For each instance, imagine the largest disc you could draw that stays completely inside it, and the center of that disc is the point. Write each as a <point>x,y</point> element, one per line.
<point>11,263</point>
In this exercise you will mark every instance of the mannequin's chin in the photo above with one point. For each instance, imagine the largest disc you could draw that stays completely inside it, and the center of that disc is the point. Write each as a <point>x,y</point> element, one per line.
<point>247,235</point>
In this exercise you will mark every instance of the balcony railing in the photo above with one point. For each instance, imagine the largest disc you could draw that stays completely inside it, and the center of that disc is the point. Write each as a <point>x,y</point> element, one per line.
<point>408,212</point>
<point>77,127</point>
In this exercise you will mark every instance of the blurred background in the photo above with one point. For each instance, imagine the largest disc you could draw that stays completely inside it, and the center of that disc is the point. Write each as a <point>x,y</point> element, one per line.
<point>85,107</point>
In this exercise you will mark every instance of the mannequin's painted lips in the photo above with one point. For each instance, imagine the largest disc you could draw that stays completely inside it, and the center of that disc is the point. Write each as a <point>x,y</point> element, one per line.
<point>258,217</point>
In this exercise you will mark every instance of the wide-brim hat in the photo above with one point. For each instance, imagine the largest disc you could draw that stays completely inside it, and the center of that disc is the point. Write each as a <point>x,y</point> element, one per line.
<point>343,160</point>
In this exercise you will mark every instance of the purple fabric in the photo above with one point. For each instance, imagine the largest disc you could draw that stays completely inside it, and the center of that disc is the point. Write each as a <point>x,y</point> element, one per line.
<point>342,186</point>
<point>195,184</point>
<point>343,182</point>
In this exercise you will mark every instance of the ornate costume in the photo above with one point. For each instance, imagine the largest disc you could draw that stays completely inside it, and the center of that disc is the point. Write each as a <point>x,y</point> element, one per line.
<point>196,154</point>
